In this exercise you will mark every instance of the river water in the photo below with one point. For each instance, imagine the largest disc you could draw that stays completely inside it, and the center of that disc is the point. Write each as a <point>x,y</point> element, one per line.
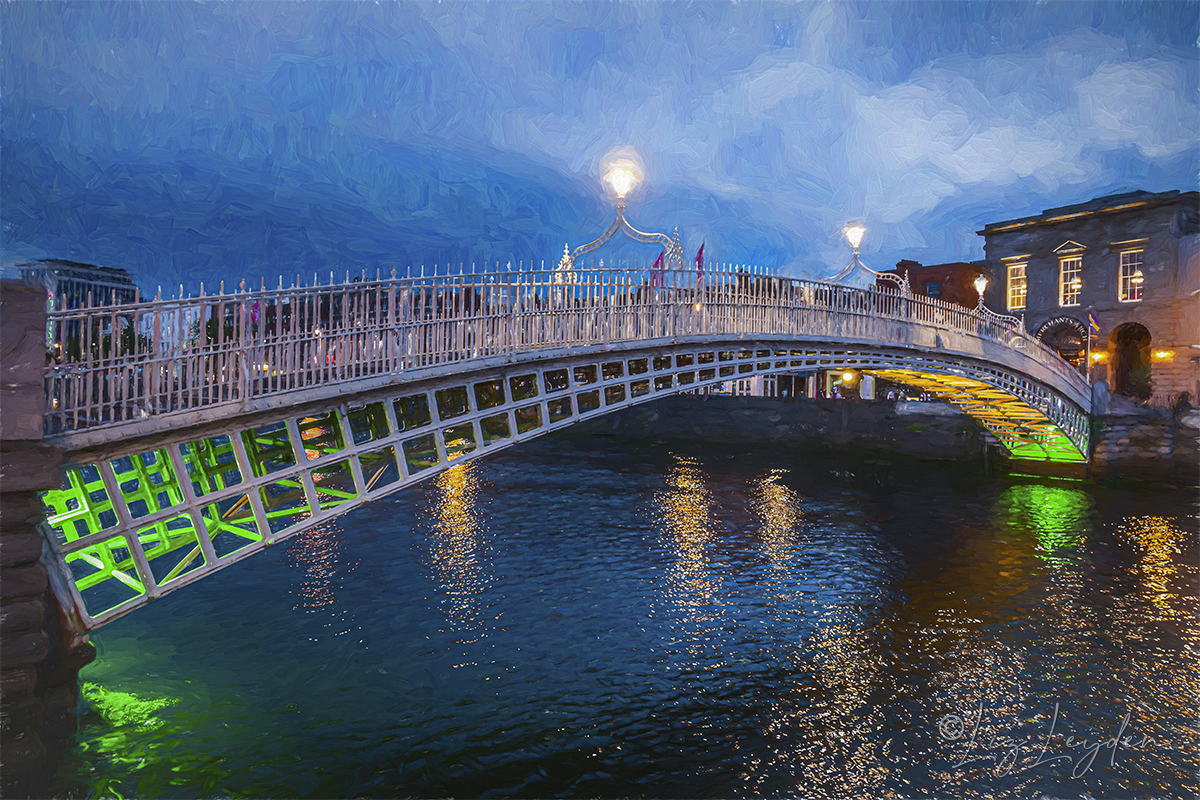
<point>584,617</point>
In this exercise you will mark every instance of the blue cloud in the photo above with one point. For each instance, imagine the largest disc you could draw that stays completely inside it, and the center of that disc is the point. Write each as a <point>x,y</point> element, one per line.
<point>195,142</point>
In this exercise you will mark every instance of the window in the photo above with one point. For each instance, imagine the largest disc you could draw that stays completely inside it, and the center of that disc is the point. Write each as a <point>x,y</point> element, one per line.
<point>1130,284</point>
<point>1070,281</point>
<point>933,289</point>
<point>1016,287</point>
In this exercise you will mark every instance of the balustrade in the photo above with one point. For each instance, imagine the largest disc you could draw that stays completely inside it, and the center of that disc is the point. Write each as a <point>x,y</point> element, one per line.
<point>114,364</point>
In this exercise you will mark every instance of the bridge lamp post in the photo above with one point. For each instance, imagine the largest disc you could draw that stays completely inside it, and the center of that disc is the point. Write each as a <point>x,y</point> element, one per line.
<point>981,283</point>
<point>621,179</point>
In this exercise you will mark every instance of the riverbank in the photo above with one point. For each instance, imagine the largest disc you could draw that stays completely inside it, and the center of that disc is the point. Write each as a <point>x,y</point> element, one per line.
<point>1138,442</point>
<point>1129,441</point>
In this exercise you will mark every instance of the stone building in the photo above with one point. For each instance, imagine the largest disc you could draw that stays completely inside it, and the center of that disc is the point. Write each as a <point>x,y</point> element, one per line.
<point>1117,276</point>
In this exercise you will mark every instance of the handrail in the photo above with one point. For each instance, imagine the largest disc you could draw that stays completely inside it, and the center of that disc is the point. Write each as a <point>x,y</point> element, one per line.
<point>113,364</point>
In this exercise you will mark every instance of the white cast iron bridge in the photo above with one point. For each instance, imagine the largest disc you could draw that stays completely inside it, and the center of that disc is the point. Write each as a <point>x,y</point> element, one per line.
<point>201,430</point>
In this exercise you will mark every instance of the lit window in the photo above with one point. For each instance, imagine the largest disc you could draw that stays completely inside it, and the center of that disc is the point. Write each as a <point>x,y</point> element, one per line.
<point>1070,281</point>
<point>1130,284</point>
<point>1016,287</point>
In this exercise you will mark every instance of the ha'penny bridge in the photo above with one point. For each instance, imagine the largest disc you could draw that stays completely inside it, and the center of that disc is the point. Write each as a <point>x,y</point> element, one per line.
<point>201,430</point>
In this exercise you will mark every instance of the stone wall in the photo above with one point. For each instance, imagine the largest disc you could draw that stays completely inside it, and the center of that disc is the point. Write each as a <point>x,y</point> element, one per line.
<point>1147,444</point>
<point>40,652</point>
<point>921,430</point>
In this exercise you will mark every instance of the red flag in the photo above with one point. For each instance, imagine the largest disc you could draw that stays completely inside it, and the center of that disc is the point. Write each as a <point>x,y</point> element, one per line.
<point>656,272</point>
<point>700,262</point>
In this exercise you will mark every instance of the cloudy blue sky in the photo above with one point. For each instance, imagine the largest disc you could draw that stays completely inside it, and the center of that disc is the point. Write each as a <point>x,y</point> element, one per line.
<point>208,141</point>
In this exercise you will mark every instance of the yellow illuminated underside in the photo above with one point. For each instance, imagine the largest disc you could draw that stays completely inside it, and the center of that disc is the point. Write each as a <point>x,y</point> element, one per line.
<point>1026,432</point>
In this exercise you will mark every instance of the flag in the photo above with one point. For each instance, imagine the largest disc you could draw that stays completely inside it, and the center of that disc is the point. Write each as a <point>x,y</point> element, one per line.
<point>254,312</point>
<point>656,272</point>
<point>1093,323</point>
<point>700,263</point>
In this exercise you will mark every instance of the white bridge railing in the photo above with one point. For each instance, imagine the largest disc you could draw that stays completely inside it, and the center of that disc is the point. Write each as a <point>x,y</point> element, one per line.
<point>114,364</point>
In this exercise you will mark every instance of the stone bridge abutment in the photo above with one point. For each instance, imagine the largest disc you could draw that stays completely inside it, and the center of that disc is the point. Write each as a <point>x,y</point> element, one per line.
<point>42,648</point>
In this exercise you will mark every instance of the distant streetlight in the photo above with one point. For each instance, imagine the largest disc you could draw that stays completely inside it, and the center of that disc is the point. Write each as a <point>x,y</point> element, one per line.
<point>847,377</point>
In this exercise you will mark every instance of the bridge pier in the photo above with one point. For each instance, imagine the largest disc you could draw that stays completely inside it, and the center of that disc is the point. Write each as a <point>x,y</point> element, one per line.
<point>41,651</point>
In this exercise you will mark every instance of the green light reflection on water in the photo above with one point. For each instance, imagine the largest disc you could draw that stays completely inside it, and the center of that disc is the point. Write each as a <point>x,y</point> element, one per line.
<point>124,753</point>
<point>125,708</point>
<point>1058,518</point>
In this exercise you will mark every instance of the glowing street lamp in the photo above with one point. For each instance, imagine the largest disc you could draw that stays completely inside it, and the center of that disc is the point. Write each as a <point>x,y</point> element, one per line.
<point>854,232</point>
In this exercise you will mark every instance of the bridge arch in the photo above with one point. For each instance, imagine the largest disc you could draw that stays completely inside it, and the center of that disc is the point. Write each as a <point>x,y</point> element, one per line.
<point>142,517</point>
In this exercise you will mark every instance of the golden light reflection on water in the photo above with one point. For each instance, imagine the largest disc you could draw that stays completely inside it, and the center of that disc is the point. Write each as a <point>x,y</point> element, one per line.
<point>1158,539</point>
<point>318,553</point>
<point>778,509</point>
<point>839,750</point>
<point>456,541</point>
<point>684,509</point>
<point>844,722</point>
<point>1149,623</point>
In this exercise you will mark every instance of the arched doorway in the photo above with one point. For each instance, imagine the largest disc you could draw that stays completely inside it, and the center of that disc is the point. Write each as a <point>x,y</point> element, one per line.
<point>1067,336</point>
<point>1129,367</point>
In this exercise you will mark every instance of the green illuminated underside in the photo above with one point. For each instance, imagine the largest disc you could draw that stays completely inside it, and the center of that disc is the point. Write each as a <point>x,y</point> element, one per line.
<point>1024,431</point>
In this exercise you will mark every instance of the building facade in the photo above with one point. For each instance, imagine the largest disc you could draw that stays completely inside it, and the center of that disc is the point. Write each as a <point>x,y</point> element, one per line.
<point>1114,281</point>
<point>70,284</point>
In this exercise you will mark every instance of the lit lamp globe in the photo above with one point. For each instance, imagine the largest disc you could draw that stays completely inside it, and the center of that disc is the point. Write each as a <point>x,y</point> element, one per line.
<point>622,180</point>
<point>854,234</point>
